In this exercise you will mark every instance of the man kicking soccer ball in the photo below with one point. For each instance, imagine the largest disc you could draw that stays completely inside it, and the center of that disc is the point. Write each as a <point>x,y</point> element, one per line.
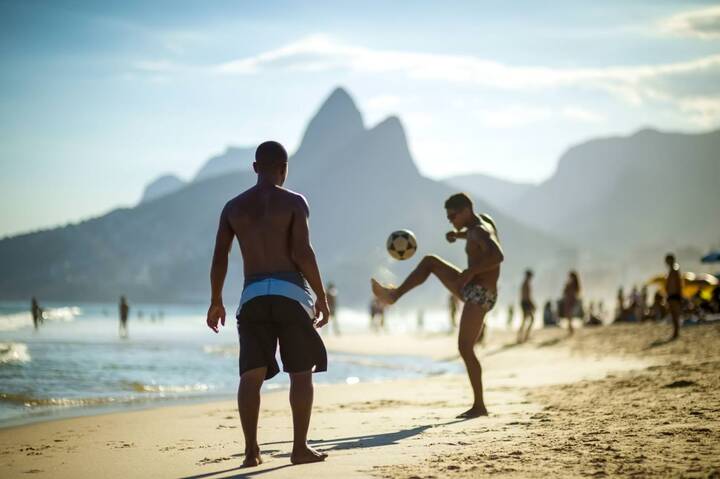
<point>476,286</point>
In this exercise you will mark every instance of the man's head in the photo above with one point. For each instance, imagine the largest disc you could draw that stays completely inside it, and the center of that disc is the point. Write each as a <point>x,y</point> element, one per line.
<point>528,273</point>
<point>271,161</point>
<point>459,209</point>
<point>670,259</point>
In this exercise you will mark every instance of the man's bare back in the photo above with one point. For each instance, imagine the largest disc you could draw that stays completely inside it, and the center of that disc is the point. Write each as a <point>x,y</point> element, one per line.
<point>261,219</point>
<point>477,249</point>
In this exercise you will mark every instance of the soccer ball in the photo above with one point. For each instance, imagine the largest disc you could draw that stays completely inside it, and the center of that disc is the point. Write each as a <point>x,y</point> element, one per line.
<point>401,244</point>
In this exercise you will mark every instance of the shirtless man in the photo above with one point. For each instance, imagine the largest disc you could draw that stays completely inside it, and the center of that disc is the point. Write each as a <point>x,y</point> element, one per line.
<point>271,227</point>
<point>673,288</point>
<point>528,308</point>
<point>476,285</point>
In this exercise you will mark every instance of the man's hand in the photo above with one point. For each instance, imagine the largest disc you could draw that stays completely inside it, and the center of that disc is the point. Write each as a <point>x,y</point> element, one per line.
<point>465,277</point>
<point>215,314</point>
<point>451,236</point>
<point>321,309</point>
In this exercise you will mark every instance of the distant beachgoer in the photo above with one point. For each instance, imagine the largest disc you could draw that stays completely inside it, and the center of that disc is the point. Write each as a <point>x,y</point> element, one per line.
<point>510,315</point>
<point>673,289</point>
<point>420,320</point>
<point>124,313</point>
<point>332,306</point>
<point>453,304</point>
<point>36,313</point>
<point>620,308</point>
<point>528,308</point>
<point>377,315</point>
<point>571,293</point>
<point>270,224</point>
<point>548,315</point>
<point>476,286</point>
<point>643,303</point>
<point>657,309</point>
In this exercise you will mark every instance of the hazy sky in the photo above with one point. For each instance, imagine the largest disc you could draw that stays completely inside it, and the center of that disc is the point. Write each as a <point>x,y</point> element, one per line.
<point>98,99</point>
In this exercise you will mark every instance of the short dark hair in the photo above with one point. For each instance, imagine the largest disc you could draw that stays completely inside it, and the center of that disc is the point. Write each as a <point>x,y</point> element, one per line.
<point>528,272</point>
<point>670,257</point>
<point>270,155</point>
<point>458,201</point>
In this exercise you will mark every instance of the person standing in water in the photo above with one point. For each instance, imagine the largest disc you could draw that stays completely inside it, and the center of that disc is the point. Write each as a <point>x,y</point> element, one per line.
<point>571,293</point>
<point>332,305</point>
<point>270,223</point>
<point>476,285</point>
<point>36,313</point>
<point>124,311</point>
<point>674,287</point>
<point>528,308</point>
<point>453,303</point>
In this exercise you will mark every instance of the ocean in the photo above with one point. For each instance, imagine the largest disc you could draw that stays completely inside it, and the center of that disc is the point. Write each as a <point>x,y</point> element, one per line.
<point>76,363</point>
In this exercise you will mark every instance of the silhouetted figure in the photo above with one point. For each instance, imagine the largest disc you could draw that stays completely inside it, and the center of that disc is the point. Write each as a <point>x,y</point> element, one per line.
<point>593,319</point>
<point>528,308</point>
<point>476,285</point>
<point>377,315</point>
<point>270,224</point>
<point>124,311</point>
<point>658,309</point>
<point>332,294</point>
<point>453,304</point>
<point>36,313</point>
<point>510,315</point>
<point>643,303</point>
<point>634,305</point>
<point>571,293</point>
<point>673,289</point>
<point>548,315</point>
<point>620,306</point>
<point>420,320</point>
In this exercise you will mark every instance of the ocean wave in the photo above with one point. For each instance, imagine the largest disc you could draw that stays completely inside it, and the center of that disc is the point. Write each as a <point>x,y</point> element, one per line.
<point>32,401</point>
<point>11,353</point>
<point>226,351</point>
<point>139,387</point>
<point>14,321</point>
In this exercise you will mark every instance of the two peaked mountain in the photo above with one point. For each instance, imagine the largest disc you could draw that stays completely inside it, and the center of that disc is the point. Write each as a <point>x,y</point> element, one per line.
<point>361,184</point>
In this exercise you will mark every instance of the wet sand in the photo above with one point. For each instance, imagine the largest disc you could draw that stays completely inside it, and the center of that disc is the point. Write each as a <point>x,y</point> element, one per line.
<point>613,401</point>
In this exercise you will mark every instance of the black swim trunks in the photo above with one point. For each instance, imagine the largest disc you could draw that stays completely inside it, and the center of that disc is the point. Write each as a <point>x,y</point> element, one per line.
<point>267,320</point>
<point>527,306</point>
<point>675,297</point>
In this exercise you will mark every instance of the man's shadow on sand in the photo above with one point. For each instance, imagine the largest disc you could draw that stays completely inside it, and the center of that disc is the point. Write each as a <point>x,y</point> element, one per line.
<point>326,445</point>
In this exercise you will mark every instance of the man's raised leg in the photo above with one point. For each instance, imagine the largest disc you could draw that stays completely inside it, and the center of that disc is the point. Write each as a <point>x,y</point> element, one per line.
<point>301,401</point>
<point>445,272</point>
<point>249,407</point>
<point>471,323</point>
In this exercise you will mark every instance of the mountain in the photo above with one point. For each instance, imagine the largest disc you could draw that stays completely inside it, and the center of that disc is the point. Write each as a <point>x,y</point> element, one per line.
<point>621,194</point>
<point>361,184</point>
<point>498,192</point>
<point>164,185</point>
<point>232,160</point>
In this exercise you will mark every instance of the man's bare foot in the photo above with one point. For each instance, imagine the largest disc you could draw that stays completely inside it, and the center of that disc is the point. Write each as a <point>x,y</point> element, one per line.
<point>252,458</point>
<point>306,454</point>
<point>475,411</point>
<point>384,294</point>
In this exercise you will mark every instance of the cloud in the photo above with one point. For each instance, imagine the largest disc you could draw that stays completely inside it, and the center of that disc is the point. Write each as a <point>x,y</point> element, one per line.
<point>514,116</point>
<point>703,24</point>
<point>634,84</point>
<point>703,111</point>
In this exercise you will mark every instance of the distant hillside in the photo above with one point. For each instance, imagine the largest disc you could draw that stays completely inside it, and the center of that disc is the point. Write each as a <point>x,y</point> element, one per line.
<point>232,160</point>
<point>361,184</point>
<point>162,186</point>
<point>499,193</point>
<point>621,193</point>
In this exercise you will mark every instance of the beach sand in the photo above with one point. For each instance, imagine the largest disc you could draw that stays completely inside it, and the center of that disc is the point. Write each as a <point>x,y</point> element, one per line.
<point>612,401</point>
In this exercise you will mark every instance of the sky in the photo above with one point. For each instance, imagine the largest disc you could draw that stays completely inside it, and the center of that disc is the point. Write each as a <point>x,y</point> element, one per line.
<point>98,99</point>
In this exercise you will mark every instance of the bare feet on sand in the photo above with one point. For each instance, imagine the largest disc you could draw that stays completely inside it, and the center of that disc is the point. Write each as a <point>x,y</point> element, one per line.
<point>475,411</point>
<point>384,294</point>
<point>252,458</point>
<point>306,455</point>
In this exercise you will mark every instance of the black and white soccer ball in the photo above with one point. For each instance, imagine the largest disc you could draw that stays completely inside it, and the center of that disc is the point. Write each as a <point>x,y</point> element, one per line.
<point>401,244</point>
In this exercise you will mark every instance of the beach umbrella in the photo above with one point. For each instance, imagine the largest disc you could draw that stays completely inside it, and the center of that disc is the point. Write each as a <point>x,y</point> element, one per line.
<point>712,257</point>
<point>693,282</point>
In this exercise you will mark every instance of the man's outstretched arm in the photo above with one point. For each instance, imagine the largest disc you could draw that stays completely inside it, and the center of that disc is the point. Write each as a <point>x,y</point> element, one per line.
<point>218,271</point>
<point>303,255</point>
